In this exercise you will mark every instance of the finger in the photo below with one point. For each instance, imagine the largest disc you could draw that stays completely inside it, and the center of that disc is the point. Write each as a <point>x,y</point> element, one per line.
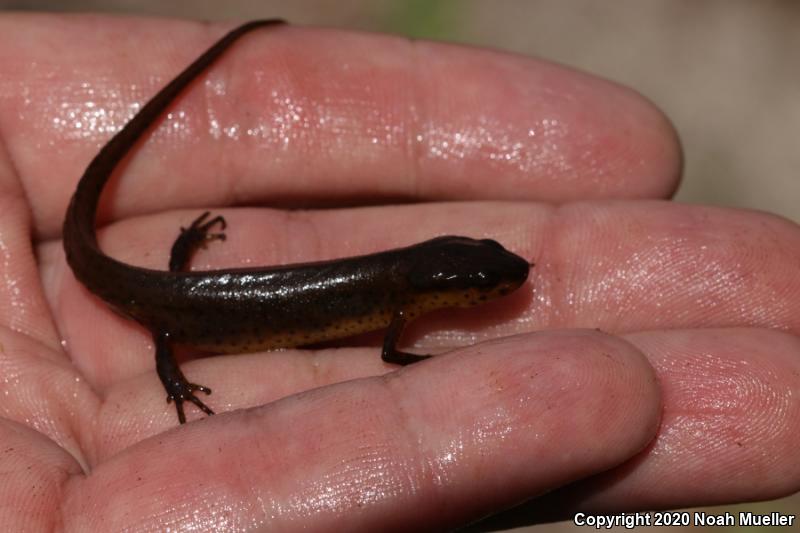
<point>23,307</point>
<point>620,267</point>
<point>35,474</point>
<point>644,265</point>
<point>732,419</point>
<point>451,438</point>
<point>43,391</point>
<point>297,114</point>
<point>728,432</point>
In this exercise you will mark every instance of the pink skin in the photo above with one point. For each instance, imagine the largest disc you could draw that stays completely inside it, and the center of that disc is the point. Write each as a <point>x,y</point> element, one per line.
<point>701,386</point>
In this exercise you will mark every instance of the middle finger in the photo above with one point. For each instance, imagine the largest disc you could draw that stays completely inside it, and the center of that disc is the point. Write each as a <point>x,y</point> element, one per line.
<point>618,266</point>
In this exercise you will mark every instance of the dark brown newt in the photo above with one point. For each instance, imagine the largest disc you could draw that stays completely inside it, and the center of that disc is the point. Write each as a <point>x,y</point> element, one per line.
<point>250,309</point>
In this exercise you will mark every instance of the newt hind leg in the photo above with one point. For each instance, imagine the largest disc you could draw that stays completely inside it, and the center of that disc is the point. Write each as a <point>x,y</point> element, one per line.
<point>178,388</point>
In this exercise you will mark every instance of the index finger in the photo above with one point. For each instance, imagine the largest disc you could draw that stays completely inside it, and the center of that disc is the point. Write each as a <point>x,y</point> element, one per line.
<point>295,114</point>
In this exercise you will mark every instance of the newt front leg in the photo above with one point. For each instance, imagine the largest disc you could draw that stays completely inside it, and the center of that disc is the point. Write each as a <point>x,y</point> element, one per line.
<point>390,353</point>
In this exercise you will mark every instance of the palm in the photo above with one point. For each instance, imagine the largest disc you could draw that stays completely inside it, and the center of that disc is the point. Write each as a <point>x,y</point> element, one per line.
<point>296,115</point>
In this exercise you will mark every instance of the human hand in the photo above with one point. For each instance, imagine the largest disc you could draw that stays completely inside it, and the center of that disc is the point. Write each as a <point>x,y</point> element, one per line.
<point>300,116</point>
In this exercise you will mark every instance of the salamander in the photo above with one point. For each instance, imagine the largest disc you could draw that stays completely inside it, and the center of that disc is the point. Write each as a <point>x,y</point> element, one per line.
<point>252,309</point>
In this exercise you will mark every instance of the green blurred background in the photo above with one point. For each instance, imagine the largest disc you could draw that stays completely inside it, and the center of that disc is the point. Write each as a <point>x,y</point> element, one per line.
<point>727,72</point>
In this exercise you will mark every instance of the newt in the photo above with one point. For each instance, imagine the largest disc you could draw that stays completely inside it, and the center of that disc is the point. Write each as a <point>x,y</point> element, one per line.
<point>262,308</point>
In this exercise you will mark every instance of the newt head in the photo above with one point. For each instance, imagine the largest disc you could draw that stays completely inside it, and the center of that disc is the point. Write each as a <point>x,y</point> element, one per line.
<point>461,271</point>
